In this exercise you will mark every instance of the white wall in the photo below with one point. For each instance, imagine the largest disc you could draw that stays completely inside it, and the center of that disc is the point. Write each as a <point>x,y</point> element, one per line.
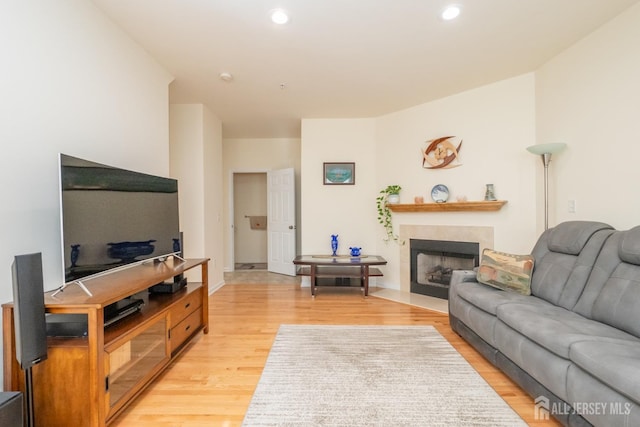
<point>496,123</point>
<point>588,97</point>
<point>255,155</point>
<point>213,197</point>
<point>187,144</point>
<point>71,82</point>
<point>345,210</point>
<point>196,161</point>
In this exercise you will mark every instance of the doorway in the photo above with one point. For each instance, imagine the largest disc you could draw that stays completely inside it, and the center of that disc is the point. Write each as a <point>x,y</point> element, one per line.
<point>250,241</point>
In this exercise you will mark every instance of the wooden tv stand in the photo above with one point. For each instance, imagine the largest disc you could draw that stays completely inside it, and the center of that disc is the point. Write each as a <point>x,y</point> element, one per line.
<point>88,381</point>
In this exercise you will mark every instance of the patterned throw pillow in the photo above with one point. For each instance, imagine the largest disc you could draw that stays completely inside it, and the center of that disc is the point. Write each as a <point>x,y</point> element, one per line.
<point>506,271</point>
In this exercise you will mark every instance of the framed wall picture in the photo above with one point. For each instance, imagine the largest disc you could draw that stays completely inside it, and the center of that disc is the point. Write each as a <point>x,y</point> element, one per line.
<point>339,173</point>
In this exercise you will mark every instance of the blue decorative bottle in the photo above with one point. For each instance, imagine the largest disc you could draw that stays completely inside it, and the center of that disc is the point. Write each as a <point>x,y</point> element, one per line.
<point>334,244</point>
<point>75,252</point>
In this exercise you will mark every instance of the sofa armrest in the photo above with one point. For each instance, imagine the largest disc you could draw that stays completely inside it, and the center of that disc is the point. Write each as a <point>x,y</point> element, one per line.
<point>460,276</point>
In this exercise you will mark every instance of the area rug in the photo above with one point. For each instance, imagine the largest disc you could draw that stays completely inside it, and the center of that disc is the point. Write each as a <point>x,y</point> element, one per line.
<point>372,376</point>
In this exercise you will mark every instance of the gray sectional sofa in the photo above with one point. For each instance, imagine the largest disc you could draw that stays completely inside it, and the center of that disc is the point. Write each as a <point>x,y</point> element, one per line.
<point>573,344</point>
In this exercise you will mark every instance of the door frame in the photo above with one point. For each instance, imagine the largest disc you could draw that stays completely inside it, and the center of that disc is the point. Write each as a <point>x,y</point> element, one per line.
<point>231,255</point>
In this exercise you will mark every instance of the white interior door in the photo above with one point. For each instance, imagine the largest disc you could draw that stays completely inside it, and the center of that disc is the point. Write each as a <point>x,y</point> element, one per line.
<point>281,221</point>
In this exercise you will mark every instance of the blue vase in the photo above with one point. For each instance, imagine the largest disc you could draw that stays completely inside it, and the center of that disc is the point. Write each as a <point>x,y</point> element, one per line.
<point>75,252</point>
<point>334,244</point>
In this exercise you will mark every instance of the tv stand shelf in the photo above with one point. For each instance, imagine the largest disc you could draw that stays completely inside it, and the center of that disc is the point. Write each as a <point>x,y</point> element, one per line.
<point>89,381</point>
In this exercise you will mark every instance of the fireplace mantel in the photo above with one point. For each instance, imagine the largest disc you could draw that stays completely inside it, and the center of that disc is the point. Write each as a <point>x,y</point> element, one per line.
<point>480,205</point>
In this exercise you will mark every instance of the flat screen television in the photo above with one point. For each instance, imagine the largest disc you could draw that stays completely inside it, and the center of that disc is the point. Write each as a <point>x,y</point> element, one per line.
<point>112,218</point>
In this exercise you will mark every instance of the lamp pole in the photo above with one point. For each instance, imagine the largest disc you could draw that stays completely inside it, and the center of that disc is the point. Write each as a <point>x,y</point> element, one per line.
<point>546,159</point>
<point>545,151</point>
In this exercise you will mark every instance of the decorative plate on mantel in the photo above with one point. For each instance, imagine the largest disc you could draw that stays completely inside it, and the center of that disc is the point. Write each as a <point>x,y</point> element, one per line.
<point>440,193</point>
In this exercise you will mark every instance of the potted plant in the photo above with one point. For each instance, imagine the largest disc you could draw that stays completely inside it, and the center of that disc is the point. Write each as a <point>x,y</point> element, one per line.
<point>388,195</point>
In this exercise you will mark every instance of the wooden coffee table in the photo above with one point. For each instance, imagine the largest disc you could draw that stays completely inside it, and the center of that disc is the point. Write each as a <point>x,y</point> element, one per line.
<point>341,266</point>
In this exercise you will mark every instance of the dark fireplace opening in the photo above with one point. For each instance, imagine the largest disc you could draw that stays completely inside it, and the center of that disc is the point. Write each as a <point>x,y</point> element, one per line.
<point>433,262</point>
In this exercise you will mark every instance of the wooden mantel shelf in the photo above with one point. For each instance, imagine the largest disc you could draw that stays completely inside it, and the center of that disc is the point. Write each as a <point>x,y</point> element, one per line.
<point>480,205</point>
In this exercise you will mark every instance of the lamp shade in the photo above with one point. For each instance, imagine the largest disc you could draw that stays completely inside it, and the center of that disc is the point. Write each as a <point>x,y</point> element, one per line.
<point>551,148</point>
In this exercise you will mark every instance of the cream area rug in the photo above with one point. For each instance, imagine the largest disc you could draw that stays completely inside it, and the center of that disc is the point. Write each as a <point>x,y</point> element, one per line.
<point>372,376</point>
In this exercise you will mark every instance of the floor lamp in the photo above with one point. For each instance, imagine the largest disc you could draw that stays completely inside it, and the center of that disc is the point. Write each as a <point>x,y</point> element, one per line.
<point>545,151</point>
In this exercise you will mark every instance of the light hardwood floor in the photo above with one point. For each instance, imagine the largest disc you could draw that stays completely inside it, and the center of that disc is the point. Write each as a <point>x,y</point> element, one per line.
<point>212,382</point>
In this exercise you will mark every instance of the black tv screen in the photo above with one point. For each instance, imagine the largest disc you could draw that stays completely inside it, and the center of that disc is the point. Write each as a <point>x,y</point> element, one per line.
<point>112,217</point>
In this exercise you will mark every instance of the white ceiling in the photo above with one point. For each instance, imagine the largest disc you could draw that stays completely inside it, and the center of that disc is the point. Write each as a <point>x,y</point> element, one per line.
<point>344,58</point>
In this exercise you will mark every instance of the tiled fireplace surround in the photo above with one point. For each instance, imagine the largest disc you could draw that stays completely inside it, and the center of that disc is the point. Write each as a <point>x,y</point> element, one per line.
<point>453,233</point>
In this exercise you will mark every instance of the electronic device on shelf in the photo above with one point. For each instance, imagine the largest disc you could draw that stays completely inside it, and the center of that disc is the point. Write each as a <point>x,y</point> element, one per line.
<point>169,287</point>
<point>121,309</point>
<point>71,325</point>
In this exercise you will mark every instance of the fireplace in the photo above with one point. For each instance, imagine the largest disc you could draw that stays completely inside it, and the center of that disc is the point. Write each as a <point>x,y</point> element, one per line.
<point>433,261</point>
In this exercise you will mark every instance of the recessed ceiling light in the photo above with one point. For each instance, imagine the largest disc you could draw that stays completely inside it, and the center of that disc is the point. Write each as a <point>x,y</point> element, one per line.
<point>279,16</point>
<point>450,12</point>
<point>226,77</point>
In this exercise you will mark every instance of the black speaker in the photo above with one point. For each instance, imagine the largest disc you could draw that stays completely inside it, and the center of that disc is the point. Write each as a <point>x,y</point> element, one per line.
<point>28,310</point>
<point>11,409</point>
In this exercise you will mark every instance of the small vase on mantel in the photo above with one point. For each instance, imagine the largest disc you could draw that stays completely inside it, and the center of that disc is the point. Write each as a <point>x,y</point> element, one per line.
<point>490,195</point>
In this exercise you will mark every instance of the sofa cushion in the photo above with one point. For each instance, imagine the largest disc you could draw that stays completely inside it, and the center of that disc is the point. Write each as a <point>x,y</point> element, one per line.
<point>629,246</point>
<point>564,258</point>
<point>506,271</point>
<point>616,409</point>
<point>608,260</point>
<point>556,328</point>
<point>541,364</point>
<point>489,298</point>
<point>616,364</point>
<point>618,301</point>
<point>571,237</point>
<point>483,323</point>
<point>612,294</point>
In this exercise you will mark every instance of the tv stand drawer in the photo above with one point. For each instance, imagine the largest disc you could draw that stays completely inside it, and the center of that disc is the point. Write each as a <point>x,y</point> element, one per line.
<point>183,308</point>
<point>185,329</point>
